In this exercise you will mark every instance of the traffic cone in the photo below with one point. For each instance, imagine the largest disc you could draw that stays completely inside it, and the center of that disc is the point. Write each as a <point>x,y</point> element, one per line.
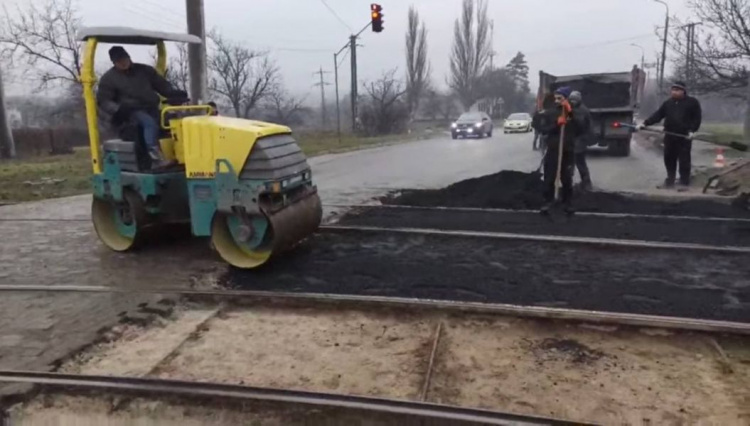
<point>719,162</point>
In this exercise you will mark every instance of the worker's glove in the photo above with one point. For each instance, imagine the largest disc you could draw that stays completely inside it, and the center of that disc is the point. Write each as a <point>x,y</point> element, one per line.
<point>640,127</point>
<point>562,120</point>
<point>567,108</point>
<point>690,136</point>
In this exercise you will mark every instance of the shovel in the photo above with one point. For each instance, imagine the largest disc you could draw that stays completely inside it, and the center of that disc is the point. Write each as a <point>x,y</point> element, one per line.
<point>558,176</point>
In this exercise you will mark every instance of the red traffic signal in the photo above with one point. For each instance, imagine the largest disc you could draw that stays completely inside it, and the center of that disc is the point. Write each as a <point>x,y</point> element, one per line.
<point>376,11</point>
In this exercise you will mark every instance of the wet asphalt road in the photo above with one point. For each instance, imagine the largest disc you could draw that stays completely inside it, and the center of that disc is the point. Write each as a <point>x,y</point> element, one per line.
<point>434,163</point>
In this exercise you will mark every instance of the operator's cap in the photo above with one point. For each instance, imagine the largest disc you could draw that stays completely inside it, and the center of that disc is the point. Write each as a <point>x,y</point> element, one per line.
<point>118,52</point>
<point>679,85</point>
<point>575,97</point>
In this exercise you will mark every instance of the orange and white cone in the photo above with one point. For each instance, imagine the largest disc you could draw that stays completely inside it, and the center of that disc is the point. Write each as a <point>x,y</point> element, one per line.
<point>719,162</point>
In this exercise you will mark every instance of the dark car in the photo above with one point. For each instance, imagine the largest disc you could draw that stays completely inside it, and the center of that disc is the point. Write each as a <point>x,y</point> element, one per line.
<point>476,124</point>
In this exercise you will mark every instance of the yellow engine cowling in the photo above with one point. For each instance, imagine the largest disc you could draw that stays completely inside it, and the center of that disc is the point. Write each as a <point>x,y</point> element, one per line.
<point>200,141</point>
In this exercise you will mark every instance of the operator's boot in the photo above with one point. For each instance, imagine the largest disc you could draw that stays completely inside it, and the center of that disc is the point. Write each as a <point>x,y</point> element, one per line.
<point>157,159</point>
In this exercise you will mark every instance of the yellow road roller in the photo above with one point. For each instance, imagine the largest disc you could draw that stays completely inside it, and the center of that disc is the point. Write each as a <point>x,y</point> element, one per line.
<point>245,184</point>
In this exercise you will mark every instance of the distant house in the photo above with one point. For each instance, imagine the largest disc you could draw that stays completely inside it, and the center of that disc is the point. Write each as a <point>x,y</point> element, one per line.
<point>15,118</point>
<point>490,106</point>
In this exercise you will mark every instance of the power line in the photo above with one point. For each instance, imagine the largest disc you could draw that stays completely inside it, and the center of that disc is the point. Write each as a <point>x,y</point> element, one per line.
<point>584,46</point>
<point>165,9</point>
<point>333,12</point>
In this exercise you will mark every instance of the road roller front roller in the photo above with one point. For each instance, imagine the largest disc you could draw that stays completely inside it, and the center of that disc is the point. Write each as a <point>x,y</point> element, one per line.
<point>244,184</point>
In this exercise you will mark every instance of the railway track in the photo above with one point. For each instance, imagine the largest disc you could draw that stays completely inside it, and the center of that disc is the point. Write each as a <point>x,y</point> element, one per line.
<point>151,386</point>
<point>574,315</point>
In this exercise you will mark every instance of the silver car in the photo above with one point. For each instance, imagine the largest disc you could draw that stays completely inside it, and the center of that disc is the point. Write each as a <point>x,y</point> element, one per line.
<point>518,122</point>
<point>468,124</point>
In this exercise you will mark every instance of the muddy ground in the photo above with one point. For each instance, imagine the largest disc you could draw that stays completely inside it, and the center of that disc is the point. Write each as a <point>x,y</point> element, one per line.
<point>578,372</point>
<point>720,233</point>
<point>520,191</point>
<point>602,278</point>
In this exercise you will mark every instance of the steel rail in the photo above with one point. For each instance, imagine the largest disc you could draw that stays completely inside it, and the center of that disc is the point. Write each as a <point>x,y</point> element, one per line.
<point>542,238</point>
<point>511,211</point>
<point>533,312</point>
<point>288,396</point>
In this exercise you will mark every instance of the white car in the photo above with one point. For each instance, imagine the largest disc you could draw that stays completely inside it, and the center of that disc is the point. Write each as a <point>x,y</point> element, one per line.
<point>518,122</point>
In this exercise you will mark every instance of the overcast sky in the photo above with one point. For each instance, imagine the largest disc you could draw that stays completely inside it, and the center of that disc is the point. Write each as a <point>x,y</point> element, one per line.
<point>559,37</point>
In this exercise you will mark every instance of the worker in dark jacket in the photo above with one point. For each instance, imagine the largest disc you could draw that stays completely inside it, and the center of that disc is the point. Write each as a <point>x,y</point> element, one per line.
<point>129,92</point>
<point>541,121</point>
<point>582,116</point>
<point>682,115</point>
<point>568,126</point>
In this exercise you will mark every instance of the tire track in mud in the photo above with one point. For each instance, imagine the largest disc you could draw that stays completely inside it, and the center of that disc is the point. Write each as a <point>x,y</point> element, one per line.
<point>602,278</point>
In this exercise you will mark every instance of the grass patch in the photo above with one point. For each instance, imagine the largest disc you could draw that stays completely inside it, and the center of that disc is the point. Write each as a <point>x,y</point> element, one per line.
<point>722,133</point>
<point>64,175</point>
<point>45,177</point>
<point>319,143</point>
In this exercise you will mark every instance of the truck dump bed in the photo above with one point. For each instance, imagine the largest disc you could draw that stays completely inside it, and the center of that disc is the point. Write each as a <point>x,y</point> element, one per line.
<point>611,97</point>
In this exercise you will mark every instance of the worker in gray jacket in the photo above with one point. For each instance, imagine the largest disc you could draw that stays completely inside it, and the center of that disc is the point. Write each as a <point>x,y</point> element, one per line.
<point>129,93</point>
<point>583,117</point>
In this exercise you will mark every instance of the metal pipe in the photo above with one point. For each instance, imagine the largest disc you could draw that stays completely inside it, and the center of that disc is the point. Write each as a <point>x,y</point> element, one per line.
<point>533,312</point>
<point>543,238</point>
<point>287,396</point>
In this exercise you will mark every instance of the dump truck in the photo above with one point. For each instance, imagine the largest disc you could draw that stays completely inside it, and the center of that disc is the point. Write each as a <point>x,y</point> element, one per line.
<point>611,97</point>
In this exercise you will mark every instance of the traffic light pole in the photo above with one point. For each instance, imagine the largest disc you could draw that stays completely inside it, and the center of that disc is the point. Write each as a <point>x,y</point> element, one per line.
<point>353,47</point>
<point>353,54</point>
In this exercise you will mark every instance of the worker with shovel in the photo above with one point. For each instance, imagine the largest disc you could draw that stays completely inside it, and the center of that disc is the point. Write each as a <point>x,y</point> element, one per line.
<point>559,158</point>
<point>682,118</point>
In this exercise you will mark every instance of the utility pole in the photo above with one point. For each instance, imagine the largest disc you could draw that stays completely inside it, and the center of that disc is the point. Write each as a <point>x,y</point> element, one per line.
<point>353,48</point>
<point>690,53</point>
<point>492,44</point>
<point>323,84</point>
<point>664,46</point>
<point>196,25</point>
<point>7,145</point>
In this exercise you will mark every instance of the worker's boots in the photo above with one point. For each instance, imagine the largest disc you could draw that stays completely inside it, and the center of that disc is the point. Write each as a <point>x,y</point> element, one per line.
<point>157,159</point>
<point>586,185</point>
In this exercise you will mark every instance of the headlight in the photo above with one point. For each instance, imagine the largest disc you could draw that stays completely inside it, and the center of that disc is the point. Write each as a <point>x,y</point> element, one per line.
<point>454,125</point>
<point>479,124</point>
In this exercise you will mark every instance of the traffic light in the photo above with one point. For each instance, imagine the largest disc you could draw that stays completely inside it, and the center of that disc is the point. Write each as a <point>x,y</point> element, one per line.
<point>377,17</point>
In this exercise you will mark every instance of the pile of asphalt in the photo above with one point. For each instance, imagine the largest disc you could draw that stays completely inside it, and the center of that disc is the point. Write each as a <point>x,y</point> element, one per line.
<point>591,277</point>
<point>523,191</point>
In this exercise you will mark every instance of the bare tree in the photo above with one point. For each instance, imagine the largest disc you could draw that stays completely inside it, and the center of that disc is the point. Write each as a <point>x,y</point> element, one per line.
<point>383,109</point>
<point>44,36</point>
<point>243,76</point>
<point>722,57</point>
<point>471,51</point>
<point>177,72</point>
<point>417,68</point>
<point>285,109</point>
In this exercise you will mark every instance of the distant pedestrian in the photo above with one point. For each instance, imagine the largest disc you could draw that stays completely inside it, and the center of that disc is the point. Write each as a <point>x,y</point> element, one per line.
<point>682,115</point>
<point>582,115</point>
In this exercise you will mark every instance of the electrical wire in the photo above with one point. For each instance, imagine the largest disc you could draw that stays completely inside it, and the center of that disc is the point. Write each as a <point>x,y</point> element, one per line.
<point>333,12</point>
<point>584,46</point>
<point>343,58</point>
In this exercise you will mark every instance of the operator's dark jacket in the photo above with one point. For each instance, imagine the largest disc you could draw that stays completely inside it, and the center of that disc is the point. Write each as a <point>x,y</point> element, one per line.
<point>574,128</point>
<point>680,115</point>
<point>122,92</point>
